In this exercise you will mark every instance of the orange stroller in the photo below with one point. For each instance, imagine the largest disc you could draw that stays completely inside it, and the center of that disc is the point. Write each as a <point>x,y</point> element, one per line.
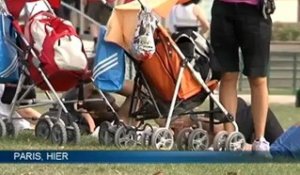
<point>167,85</point>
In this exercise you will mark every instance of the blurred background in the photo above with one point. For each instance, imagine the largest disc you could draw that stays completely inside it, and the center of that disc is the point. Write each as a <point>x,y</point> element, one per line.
<point>284,74</point>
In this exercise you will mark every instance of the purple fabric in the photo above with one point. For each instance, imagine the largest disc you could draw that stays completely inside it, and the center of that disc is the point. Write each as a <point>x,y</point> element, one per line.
<point>252,2</point>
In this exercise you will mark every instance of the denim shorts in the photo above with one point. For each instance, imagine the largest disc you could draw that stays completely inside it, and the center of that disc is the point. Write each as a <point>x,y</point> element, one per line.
<point>241,26</point>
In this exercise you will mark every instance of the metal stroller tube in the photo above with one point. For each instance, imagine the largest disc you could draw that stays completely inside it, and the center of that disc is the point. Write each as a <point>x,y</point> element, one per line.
<point>109,105</point>
<point>201,81</point>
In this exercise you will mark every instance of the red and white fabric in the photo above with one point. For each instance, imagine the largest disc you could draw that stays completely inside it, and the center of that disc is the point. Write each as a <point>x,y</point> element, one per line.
<point>15,6</point>
<point>59,49</point>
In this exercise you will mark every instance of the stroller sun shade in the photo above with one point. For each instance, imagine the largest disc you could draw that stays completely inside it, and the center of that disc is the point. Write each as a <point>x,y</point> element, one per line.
<point>123,21</point>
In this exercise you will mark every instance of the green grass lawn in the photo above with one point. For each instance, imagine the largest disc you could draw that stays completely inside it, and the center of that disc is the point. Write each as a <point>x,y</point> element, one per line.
<point>149,169</point>
<point>287,115</point>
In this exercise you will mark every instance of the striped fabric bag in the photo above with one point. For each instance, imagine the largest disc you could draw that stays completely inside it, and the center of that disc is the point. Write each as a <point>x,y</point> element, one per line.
<point>109,65</point>
<point>8,53</point>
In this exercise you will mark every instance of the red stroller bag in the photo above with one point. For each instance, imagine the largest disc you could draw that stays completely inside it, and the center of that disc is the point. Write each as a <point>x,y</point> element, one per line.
<point>60,53</point>
<point>16,6</point>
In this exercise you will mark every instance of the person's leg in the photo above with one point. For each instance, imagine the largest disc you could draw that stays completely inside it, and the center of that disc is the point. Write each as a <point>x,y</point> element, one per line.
<point>254,33</point>
<point>124,111</point>
<point>228,95</point>
<point>259,108</point>
<point>126,91</point>
<point>94,30</point>
<point>88,90</point>
<point>29,113</point>
<point>94,13</point>
<point>224,42</point>
<point>244,120</point>
<point>273,128</point>
<point>89,120</point>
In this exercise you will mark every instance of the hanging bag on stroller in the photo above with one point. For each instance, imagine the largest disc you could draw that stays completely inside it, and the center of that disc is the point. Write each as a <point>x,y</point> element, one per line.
<point>60,51</point>
<point>8,53</point>
<point>143,43</point>
<point>109,65</point>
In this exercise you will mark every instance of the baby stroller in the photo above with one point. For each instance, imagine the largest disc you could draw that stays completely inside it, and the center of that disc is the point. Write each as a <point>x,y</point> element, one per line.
<point>108,76</point>
<point>48,70</point>
<point>108,70</point>
<point>170,84</point>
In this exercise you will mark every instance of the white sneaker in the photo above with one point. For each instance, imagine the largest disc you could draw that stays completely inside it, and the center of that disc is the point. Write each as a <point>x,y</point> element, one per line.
<point>261,147</point>
<point>96,131</point>
<point>210,148</point>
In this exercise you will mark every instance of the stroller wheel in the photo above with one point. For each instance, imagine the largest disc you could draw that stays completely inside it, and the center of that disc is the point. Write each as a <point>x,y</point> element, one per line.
<point>219,141</point>
<point>182,139</point>
<point>162,139</point>
<point>198,140</point>
<point>59,133</point>
<point>105,136</point>
<point>2,128</point>
<point>73,133</point>
<point>146,138</point>
<point>11,130</point>
<point>43,128</point>
<point>235,141</point>
<point>139,137</point>
<point>125,137</point>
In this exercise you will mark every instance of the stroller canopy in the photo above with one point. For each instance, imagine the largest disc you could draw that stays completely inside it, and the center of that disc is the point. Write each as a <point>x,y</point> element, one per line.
<point>123,21</point>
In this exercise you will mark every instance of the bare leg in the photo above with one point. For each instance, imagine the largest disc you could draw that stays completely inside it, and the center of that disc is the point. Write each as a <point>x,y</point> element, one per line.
<point>127,89</point>
<point>228,95</point>
<point>260,104</point>
<point>89,119</point>
<point>29,113</point>
<point>88,90</point>
<point>94,29</point>
<point>124,108</point>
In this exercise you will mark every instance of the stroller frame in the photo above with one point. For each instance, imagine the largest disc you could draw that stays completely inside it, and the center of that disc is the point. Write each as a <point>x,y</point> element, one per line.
<point>139,95</point>
<point>57,123</point>
<point>163,138</point>
<point>47,126</point>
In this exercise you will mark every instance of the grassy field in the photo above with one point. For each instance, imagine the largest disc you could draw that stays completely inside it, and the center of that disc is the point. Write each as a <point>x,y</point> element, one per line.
<point>287,115</point>
<point>142,169</point>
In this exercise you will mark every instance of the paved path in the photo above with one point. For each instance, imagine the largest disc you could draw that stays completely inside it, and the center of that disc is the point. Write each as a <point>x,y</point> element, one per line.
<point>281,99</point>
<point>286,47</point>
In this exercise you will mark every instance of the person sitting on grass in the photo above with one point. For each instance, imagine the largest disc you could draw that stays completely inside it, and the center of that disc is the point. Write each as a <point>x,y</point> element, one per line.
<point>246,126</point>
<point>23,118</point>
<point>95,112</point>
<point>287,144</point>
<point>243,119</point>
